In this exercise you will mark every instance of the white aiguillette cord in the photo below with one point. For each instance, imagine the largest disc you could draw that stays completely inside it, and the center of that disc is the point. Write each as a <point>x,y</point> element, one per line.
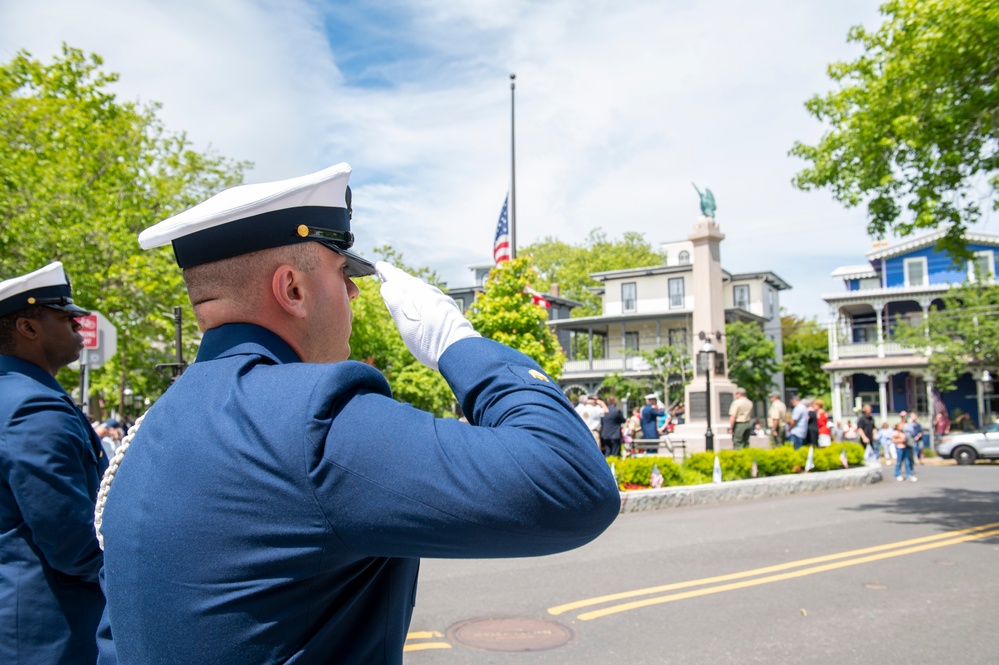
<point>102,494</point>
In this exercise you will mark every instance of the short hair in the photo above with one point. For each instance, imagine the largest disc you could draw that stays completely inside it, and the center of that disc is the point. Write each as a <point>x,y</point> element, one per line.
<point>238,278</point>
<point>8,324</point>
<point>740,391</point>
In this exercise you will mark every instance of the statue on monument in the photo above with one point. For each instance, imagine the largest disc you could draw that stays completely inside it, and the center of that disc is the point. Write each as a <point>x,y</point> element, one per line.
<point>708,206</point>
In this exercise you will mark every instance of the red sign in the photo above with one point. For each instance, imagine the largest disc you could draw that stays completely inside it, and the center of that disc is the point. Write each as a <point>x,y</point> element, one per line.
<point>88,328</point>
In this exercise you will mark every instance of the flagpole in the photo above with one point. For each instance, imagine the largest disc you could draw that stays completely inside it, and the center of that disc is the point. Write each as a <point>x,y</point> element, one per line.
<point>513,173</point>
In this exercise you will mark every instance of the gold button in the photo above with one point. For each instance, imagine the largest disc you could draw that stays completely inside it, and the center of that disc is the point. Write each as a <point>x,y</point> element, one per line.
<point>31,301</point>
<point>303,230</point>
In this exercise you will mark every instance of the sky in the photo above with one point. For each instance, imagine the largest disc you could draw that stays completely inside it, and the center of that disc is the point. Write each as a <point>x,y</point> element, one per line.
<point>620,106</point>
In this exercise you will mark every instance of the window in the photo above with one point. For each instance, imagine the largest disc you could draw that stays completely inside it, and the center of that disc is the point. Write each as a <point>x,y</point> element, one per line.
<point>461,303</point>
<point>982,266</point>
<point>771,302</point>
<point>869,283</point>
<point>915,271</point>
<point>740,296</point>
<point>676,293</point>
<point>629,297</point>
<point>631,341</point>
<point>678,338</point>
<point>684,258</point>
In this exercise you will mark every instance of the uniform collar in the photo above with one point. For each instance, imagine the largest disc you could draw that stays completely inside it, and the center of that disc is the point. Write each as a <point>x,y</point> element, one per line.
<point>240,339</point>
<point>31,370</point>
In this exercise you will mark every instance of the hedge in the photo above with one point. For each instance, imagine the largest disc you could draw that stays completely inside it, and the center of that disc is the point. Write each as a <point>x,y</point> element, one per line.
<point>634,472</point>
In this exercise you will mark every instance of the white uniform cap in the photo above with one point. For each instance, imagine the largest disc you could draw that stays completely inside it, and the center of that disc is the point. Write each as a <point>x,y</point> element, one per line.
<point>652,396</point>
<point>48,286</point>
<point>249,218</point>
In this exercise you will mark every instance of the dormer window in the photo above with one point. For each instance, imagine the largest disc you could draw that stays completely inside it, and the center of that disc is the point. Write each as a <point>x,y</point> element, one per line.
<point>915,271</point>
<point>740,296</point>
<point>983,266</point>
<point>629,297</point>
<point>684,258</point>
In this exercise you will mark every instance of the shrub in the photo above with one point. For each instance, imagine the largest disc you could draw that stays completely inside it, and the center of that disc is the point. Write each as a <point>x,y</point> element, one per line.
<point>735,464</point>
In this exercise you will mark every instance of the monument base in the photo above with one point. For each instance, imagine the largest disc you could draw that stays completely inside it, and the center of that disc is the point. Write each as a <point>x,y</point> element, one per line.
<point>695,420</point>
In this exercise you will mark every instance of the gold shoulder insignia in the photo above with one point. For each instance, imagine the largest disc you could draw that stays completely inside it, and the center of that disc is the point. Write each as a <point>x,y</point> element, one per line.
<point>538,375</point>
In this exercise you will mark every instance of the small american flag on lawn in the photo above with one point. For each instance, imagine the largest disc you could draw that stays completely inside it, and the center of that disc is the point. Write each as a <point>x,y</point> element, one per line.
<point>656,479</point>
<point>842,459</point>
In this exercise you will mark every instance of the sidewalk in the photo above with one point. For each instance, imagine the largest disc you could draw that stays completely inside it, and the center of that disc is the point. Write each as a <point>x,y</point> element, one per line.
<point>744,490</point>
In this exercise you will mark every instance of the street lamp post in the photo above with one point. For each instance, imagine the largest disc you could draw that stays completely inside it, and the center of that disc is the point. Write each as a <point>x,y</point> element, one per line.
<point>987,389</point>
<point>706,352</point>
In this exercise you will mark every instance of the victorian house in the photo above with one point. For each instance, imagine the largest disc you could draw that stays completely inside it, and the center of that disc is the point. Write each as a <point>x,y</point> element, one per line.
<point>645,308</point>
<point>903,281</point>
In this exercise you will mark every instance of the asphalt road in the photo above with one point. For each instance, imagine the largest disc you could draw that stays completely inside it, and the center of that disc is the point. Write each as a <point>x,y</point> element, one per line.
<point>891,573</point>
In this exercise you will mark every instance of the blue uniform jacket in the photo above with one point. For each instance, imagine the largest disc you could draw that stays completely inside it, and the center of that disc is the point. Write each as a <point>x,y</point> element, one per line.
<point>274,511</point>
<point>648,420</point>
<point>51,464</point>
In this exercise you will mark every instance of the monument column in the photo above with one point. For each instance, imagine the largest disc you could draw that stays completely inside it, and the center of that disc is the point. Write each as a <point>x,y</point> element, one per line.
<point>708,320</point>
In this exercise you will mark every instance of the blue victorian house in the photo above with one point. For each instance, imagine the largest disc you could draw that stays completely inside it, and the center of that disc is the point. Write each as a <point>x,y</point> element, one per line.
<point>902,281</point>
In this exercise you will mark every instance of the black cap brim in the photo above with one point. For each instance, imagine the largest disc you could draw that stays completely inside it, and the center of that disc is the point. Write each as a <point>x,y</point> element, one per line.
<point>71,308</point>
<point>356,266</point>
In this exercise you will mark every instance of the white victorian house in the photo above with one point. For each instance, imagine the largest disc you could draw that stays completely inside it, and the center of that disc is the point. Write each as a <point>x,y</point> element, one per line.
<point>644,308</point>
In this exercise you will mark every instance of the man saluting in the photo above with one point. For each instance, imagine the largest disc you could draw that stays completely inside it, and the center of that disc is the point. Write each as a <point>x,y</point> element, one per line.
<point>273,505</point>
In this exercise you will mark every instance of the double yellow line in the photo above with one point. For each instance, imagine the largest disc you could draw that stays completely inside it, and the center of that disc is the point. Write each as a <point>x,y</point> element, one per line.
<point>419,645</point>
<point>807,567</point>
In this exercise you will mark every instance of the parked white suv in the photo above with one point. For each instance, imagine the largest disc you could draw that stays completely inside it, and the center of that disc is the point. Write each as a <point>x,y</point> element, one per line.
<point>966,447</point>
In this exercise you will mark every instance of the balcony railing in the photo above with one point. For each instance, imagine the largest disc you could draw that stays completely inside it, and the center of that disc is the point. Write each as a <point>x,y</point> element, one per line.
<point>870,349</point>
<point>629,364</point>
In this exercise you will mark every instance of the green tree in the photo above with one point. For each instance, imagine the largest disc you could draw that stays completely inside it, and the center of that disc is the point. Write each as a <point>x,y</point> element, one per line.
<point>914,120</point>
<point>375,340</point>
<point>81,173</point>
<point>806,349</point>
<point>670,369</point>
<point>752,359</point>
<point>623,387</point>
<point>570,266</point>
<point>505,312</point>
<point>962,336</point>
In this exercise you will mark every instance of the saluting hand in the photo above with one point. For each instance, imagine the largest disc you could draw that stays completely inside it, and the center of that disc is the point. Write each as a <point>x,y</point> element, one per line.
<point>428,320</point>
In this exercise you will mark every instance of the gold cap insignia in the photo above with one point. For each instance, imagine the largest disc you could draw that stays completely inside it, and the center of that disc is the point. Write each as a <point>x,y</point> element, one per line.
<point>538,375</point>
<point>302,230</point>
<point>31,301</point>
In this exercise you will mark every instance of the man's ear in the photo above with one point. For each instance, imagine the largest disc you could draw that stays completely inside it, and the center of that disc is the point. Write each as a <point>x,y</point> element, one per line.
<point>27,328</point>
<point>288,289</point>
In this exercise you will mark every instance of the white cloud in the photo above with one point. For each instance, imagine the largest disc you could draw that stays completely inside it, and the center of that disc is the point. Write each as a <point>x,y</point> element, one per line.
<point>620,105</point>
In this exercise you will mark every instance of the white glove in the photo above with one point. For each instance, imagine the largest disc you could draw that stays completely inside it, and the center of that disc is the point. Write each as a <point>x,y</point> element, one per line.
<point>428,320</point>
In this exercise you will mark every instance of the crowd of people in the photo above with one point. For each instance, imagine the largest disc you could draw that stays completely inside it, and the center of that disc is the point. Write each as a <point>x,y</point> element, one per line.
<point>901,444</point>
<point>616,433</point>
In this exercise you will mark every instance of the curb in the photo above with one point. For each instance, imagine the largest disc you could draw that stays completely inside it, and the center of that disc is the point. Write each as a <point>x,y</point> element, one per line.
<point>744,490</point>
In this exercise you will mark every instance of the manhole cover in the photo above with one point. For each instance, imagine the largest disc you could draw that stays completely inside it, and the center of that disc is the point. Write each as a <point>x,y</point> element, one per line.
<point>510,634</point>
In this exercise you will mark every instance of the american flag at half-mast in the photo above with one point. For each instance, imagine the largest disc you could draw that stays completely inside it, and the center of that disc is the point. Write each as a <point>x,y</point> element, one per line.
<point>501,245</point>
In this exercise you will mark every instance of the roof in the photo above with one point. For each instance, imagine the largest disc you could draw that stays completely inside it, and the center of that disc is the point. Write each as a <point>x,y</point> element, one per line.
<point>645,271</point>
<point>895,292</point>
<point>770,278</point>
<point>910,244</point>
<point>862,365</point>
<point>855,272</point>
